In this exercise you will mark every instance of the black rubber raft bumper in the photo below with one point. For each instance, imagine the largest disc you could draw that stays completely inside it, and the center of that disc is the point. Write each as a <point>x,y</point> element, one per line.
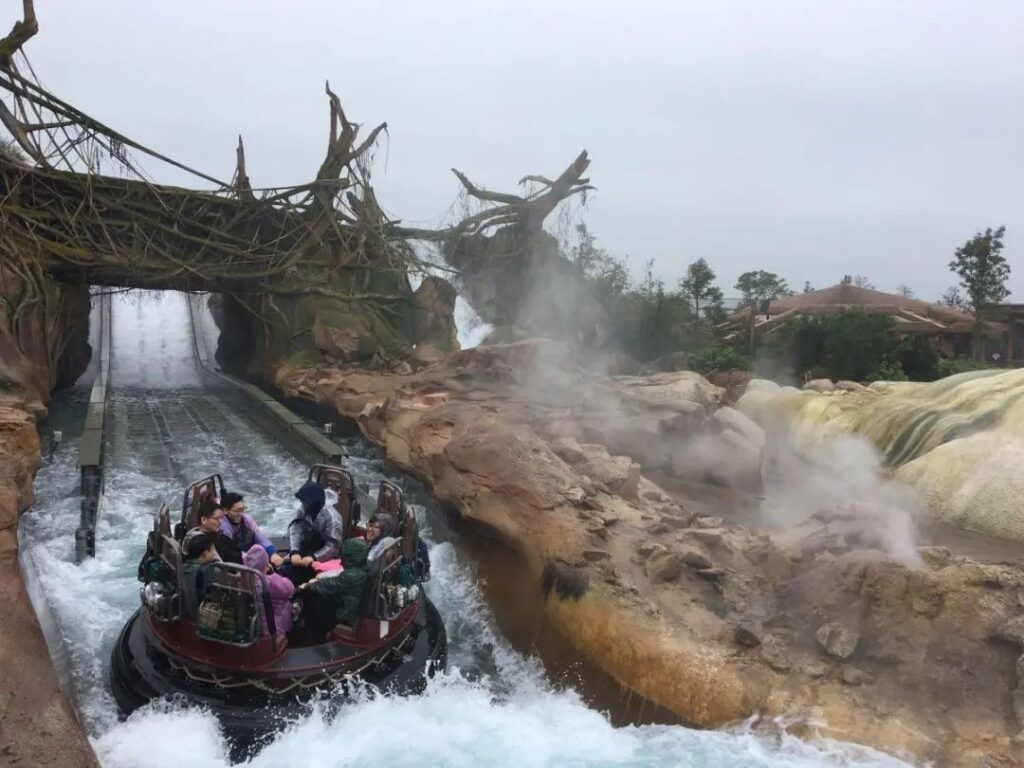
<point>143,670</point>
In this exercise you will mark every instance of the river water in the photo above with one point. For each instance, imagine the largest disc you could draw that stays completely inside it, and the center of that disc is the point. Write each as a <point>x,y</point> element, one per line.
<point>494,707</point>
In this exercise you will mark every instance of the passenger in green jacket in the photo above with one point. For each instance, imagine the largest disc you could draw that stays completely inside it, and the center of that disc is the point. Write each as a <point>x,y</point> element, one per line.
<point>331,600</point>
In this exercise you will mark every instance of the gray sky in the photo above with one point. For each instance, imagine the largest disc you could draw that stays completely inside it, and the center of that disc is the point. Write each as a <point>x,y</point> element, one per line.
<point>811,138</point>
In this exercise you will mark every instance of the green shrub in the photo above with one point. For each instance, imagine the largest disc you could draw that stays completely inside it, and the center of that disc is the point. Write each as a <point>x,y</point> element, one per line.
<point>851,344</point>
<point>957,365</point>
<point>917,358</point>
<point>889,370</point>
<point>716,357</point>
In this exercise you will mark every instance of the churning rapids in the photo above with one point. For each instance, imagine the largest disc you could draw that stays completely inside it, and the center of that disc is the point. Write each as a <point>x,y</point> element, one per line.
<point>494,707</point>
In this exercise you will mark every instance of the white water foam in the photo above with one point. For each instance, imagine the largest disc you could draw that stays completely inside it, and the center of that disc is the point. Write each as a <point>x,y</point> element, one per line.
<point>494,707</point>
<point>152,347</point>
<point>470,327</point>
<point>456,723</point>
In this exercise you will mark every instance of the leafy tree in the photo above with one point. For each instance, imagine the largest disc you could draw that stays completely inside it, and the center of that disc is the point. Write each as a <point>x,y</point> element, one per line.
<point>705,298</point>
<point>905,291</point>
<point>596,263</point>
<point>807,286</point>
<point>849,345</point>
<point>847,280</point>
<point>612,281</point>
<point>714,311</point>
<point>656,319</point>
<point>758,285</point>
<point>710,358</point>
<point>983,273</point>
<point>916,356</point>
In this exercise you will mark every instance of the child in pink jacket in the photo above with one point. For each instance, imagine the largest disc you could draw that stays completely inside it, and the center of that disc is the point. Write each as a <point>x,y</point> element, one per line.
<point>280,588</point>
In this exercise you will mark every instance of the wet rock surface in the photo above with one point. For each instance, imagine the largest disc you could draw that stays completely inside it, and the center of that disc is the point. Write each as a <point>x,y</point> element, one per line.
<point>44,331</point>
<point>37,726</point>
<point>912,658</point>
<point>664,566</point>
<point>837,640</point>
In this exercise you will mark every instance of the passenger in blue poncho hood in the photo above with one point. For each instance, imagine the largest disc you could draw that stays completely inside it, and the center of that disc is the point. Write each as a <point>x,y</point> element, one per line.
<point>313,536</point>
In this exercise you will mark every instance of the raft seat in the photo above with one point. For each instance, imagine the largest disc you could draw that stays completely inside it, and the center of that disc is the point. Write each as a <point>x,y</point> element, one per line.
<point>168,571</point>
<point>211,487</point>
<point>390,499</point>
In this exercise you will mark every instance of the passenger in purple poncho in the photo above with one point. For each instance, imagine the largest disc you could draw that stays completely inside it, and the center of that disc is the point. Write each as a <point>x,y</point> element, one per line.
<point>280,588</point>
<point>238,526</point>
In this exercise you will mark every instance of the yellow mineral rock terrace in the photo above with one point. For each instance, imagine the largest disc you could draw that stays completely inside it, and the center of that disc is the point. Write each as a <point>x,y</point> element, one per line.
<point>959,442</point>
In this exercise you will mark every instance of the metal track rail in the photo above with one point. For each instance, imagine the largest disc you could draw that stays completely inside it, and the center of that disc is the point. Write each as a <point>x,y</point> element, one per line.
<point>327,450</point>
<point>90,451</point>
<point>140,427</point>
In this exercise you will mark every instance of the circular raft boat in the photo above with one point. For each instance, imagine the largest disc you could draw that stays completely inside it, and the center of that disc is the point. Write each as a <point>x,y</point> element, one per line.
<point>238,666</point>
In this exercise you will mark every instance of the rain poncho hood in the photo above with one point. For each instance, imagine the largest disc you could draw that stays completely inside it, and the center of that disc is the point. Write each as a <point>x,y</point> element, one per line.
<point>278,588</point>
<point>353,553</point>
<point>312,495</point>
<point>256,558</point>
<point>318,530</point>
<point>345,591</point>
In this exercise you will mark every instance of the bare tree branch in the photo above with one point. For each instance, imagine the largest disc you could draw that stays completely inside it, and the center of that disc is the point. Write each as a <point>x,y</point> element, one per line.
<point>20,34</point>
<point>242,185</point>
<point>483,194</point>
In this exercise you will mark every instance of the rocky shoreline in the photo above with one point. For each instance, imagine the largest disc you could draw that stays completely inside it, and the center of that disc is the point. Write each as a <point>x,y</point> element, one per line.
<point>712,620</point>
<point>37,725</point>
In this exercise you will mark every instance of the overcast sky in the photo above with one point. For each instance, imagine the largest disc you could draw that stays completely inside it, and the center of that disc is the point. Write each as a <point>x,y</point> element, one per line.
<point>810,138</point>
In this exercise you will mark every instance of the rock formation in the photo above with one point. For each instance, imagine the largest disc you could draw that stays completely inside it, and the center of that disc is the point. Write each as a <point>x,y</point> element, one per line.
<point>44,334</point>
<point>959,442</point>
<point>44,331</point>
<point>37,725</point>
<point>713,620</point>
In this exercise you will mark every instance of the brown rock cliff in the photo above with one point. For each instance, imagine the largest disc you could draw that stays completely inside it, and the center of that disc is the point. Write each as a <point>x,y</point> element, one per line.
<point>714,621</point>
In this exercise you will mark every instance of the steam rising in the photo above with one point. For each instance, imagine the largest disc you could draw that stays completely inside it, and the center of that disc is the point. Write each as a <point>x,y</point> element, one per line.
<point>843,487</point>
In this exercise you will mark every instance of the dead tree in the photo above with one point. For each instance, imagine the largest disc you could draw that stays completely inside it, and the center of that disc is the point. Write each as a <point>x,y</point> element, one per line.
<point>525,212</point>
<point>62,216</point>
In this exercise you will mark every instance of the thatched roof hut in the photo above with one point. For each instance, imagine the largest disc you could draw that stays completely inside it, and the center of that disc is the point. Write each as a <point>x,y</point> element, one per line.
<point>910,316</point>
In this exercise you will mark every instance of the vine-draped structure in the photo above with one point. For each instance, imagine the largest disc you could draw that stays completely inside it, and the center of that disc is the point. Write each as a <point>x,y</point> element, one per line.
<point>77,206</point>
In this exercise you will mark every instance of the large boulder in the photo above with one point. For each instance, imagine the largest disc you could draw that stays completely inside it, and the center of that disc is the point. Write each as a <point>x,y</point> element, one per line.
<point>44,343</point>
<point>680,391</point>
<point>820,385</point>
<point>743,441</point>
<point>434,314</point>
<point>350,332</point>
<point>664,566</point>
<point>837,640</point>
<point>619,474</point>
